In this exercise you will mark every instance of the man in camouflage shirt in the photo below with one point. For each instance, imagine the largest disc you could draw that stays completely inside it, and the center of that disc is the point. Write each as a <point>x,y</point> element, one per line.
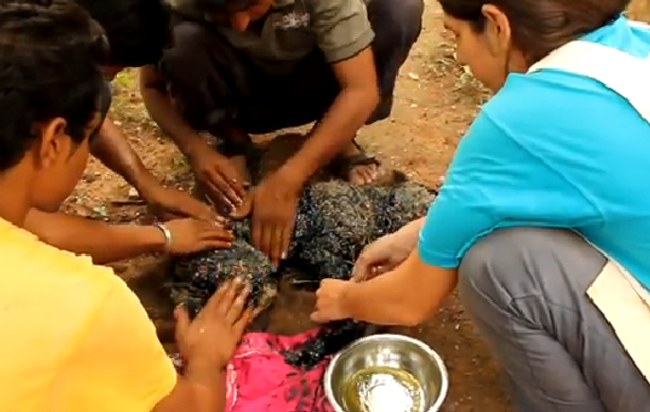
<point>240,67</point>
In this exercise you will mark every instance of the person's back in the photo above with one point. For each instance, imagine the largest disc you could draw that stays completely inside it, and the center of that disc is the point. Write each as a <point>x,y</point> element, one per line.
<point>56,311</point>
<point>571,153</point>
<point>606,146</point>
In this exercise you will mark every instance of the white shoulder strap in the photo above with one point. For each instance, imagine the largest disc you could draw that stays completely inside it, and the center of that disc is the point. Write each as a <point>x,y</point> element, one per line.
<point>621,72</point>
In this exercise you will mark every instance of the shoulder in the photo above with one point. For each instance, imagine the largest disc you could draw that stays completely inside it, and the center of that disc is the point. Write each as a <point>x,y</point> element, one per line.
<point>553,107</point>
<point>342,27</point>
<point>55,292</point>
<point>52,277</point>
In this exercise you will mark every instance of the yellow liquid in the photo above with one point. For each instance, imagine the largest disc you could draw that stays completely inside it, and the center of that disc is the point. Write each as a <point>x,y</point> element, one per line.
<point>383,389</point>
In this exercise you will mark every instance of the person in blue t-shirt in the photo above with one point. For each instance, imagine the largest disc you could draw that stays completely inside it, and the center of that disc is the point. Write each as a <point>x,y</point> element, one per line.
<point>548,183</point>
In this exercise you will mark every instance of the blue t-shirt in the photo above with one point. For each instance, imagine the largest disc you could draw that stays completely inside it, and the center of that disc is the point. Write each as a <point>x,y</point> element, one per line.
<point>553,149</point>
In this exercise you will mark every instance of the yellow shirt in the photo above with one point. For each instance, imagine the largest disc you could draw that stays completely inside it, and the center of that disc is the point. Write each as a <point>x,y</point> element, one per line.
<point>74,338</point>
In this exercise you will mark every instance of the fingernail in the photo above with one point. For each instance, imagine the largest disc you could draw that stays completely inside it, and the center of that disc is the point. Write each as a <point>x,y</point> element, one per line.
<point>284,256</point>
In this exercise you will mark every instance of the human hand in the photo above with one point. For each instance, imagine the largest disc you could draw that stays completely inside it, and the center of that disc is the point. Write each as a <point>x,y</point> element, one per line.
<point>274,204</point>
<point>173,204</point>
<point>383,255</point>
<point>221,180</point>
<point>211,338</point>
<point>192,235</point>
<point>330,301</point>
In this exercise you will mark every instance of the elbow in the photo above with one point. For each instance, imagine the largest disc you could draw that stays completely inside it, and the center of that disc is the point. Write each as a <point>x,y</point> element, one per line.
<point>366,96</point>
<point>372,97</point>
<point>150,82</point>
<point>413,318</point>
<point>412,315</point>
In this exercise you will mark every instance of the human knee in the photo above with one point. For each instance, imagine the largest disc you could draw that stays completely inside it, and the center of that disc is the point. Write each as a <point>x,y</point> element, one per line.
<point>187,51</point>
<point>188,34</point>
<point>497,267</point>
<point>398,19</point>
<point>408,15</point>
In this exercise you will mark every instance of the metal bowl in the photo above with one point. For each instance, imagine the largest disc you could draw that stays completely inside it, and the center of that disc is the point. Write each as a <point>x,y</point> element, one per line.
<point>375,355</point>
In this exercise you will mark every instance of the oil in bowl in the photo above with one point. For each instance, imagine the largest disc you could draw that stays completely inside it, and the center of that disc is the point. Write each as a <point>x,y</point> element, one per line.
<point>386,373</point>
<point>383,389</point>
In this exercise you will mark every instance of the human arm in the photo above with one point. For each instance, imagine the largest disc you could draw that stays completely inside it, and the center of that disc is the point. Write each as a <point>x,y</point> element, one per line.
<point>113,149</point>
<point>409,294</point>
<point>484,188</point>
<point>354,104</point>
<point>219,177</point>
<point>387,252</point>
<point>105,242</point>
<point>206,344</point>
<point>344,35</point>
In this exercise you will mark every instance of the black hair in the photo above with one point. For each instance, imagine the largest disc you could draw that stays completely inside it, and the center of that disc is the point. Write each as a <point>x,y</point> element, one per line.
<point>48,69</point>
<point>137,30</point>
<point>540,26</point>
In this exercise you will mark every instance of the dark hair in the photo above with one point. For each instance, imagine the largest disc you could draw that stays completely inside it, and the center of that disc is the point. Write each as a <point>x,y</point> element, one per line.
<point>540,26</point>
<point>137,30</point>
<point>48,54</point>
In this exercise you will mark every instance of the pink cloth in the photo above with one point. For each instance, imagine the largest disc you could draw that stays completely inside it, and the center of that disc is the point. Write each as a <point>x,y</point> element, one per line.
<point>258,379</point>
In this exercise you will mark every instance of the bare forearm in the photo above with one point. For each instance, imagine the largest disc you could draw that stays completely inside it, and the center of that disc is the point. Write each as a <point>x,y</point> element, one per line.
<point>408,295</point>
<point>162,110</point>
<point>350,110</point>
<point>412,232</point>
<point>194,393</point>
<point>115,152</point>
<point>103,242</point>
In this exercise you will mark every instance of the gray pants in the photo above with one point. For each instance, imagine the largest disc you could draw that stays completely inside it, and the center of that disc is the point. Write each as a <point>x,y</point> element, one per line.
<point>526,290</point>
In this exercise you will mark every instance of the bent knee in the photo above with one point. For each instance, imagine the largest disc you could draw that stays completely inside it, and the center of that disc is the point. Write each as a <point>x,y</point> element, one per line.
<point>402,18</point>
<point>406,13</point>
<point>188,34</point>
<point>507,263</point>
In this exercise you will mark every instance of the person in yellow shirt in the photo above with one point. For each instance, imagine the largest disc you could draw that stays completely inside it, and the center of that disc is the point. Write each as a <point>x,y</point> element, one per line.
<point>75,338</point>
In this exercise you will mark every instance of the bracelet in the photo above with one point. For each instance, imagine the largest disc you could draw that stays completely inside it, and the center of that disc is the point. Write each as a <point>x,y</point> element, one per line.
<point>168,236</point>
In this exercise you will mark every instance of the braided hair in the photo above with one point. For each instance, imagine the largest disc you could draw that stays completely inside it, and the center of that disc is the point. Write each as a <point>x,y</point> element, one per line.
<point>49,54</point>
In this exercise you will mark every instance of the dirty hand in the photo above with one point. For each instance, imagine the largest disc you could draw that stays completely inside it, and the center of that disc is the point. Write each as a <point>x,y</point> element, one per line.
<point>211,338</point>
<point>218,177</point>
<point>192,235</point>
<point>330,301</point>
<point>274,204</point>
<point>172,204</point>
<point>382,255</point>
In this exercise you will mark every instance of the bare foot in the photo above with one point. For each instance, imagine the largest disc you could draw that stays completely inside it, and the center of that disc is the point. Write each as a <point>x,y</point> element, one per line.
<point>361,174</point>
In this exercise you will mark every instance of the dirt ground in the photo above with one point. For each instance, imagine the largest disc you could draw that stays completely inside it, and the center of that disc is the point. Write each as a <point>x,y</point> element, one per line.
<point>435,102</point>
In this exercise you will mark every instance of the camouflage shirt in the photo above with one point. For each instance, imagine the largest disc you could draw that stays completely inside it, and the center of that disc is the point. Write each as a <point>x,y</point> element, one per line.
<point>294,28</point>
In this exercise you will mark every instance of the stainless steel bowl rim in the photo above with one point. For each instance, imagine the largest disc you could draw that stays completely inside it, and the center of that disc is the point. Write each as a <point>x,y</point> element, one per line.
<point>444,384</point>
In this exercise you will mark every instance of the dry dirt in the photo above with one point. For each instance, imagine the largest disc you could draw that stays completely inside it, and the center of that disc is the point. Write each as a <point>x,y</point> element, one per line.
<point>435,102</point>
